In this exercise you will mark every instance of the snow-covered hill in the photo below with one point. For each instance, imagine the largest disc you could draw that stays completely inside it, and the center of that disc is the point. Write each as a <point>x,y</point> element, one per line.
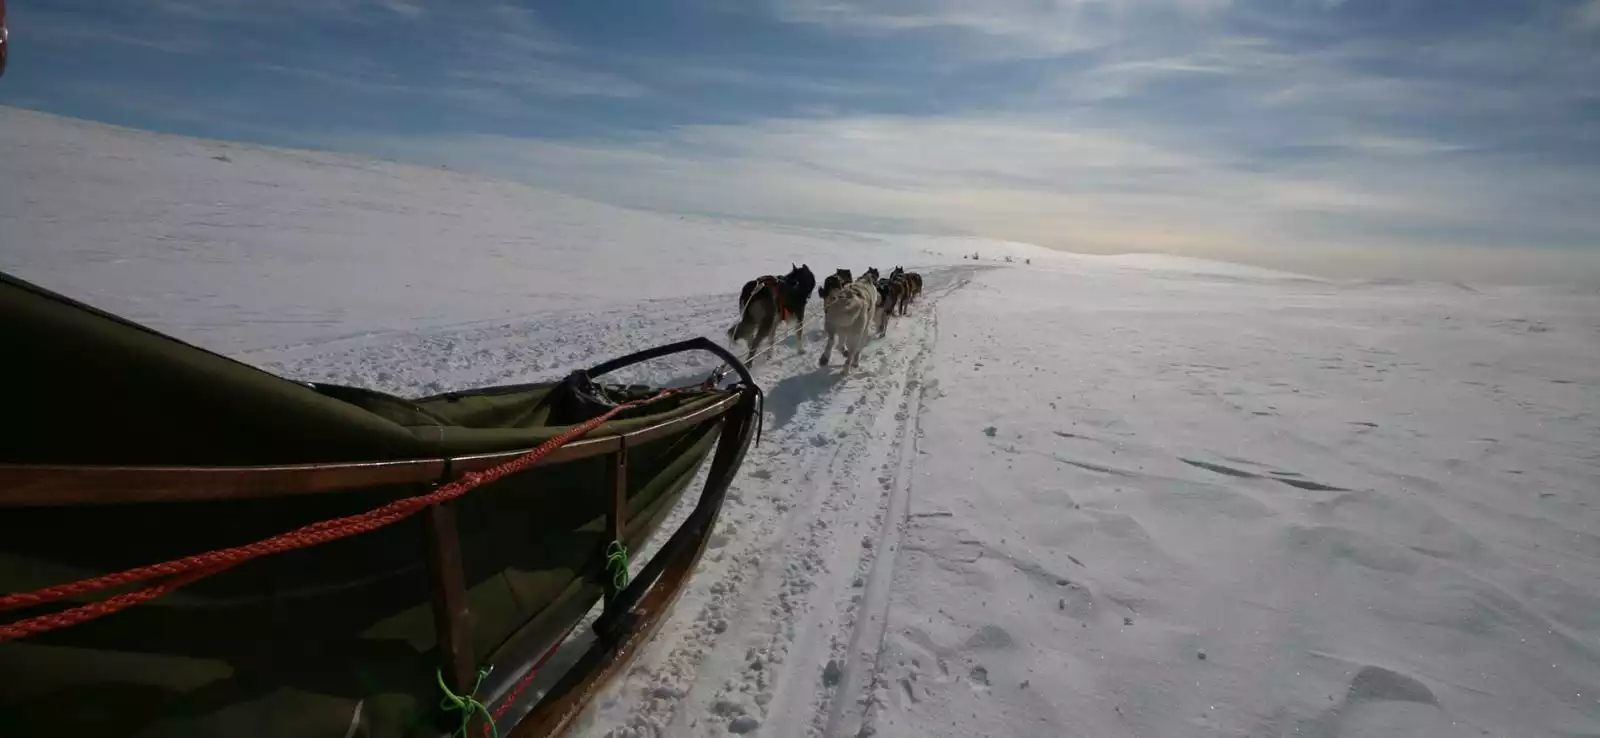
<point>1089,496</point>
<point>242,247</point>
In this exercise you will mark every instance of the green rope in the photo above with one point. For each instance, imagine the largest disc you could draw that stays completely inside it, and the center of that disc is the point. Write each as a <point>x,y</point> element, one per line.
<point>617,564</point>
<point>467,704</point>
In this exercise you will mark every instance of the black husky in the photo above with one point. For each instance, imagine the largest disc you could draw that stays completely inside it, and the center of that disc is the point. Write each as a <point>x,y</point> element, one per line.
<point>890,294</point>
<point>767,301</point>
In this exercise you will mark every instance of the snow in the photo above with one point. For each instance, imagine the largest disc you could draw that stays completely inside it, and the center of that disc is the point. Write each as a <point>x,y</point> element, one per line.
<point>1087,496</point>
<point>1269,508</point>
<point>240,247</point>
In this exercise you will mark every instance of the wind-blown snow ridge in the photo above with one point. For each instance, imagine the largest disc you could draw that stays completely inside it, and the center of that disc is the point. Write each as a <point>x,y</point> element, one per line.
<point>1097,496</point>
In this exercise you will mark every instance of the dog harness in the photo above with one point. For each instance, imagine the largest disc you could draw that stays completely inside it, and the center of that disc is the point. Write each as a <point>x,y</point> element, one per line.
<point>777,296</point>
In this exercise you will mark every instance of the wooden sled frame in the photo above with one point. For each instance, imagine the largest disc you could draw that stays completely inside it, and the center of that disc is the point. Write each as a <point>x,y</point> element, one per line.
<point>630,616</point>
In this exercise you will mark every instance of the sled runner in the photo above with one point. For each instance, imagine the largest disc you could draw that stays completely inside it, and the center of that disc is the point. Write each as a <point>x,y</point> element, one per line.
<point>328,560</point>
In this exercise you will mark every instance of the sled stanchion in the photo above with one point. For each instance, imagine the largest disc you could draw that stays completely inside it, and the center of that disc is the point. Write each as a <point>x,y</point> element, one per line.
<point>730,452</point>
<point>616,513</point>
<point>448,594</point>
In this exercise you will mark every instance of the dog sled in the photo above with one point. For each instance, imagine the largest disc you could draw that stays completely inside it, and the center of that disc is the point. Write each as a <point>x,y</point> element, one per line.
<point>190,546</point>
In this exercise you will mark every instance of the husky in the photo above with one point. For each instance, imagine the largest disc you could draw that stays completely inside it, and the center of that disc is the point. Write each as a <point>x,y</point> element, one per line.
<point>910,286</point>
<point>848,306</point>
<point>768,301</point>
<point>890,292</point>
<point>839,278</point>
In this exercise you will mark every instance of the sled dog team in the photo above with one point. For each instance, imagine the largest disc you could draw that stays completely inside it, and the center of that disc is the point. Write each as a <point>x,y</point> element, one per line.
<point>850,305</point>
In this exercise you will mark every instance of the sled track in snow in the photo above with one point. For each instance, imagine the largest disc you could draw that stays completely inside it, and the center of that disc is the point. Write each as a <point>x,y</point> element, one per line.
<point>850,704</point>
<point>780,630</point>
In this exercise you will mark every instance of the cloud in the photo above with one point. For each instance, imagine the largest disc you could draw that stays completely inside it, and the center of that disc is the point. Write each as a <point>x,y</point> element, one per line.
<point>407,8</point>
<point>1031,179</point>
<point>501,68</point>
<point>1308,134</point>
<point>67,28</point>
<point>1587,14</point>
<point>499,28</point>
<point>680,72</point>
<point>493,86</point>
<point>999,29</point>
<point>1205,128</point>
<point>278,12</point>
<point>1395,145</point>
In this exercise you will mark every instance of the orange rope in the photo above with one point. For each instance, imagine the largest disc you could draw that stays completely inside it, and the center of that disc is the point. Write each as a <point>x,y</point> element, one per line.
<point>181,572</point>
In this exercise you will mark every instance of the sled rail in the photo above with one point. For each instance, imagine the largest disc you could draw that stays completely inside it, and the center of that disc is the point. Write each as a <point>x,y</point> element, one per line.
<point>28,485</point>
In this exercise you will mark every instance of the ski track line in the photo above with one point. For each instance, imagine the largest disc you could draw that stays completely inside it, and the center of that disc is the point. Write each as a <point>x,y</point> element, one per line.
<point>808,538</point>
<point>849,704</point>
<point>876,486</point>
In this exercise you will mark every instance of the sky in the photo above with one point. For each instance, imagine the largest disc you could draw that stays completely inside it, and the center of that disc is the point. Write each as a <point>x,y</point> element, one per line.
<point>1449,138</point>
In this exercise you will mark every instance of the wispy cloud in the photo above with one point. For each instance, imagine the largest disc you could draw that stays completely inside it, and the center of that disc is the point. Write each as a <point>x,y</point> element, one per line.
<point>68,28</point>
<point>678,72</point>
<point>1027,179</point>
<point>408,8</point>
<point>1000,29</point>
<point>520,74</point>
<point>1587,14</point>
<point>282,11</point>
<point>1395,145</point>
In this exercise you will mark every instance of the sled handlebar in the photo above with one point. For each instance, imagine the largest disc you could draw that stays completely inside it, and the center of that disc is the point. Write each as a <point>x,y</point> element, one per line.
<point>700,343</point>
